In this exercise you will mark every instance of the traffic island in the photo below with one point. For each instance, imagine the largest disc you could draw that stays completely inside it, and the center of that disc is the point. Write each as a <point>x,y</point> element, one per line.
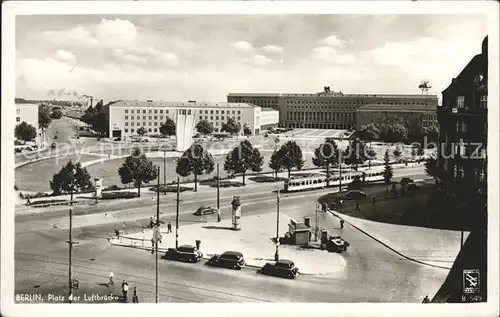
<point>254,240</point>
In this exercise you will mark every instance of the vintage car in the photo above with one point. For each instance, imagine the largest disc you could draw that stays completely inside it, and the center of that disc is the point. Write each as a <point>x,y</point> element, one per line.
<point>185,253</point>
<point>336,244</point>
<point>282,268</point>
<point>205,210</point>
<point>228,259</point>
<point>355,195</point>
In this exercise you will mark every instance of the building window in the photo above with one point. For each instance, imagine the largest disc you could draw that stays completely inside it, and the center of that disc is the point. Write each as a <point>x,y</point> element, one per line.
<point>18,119</point>
<point>222,117</point>
<point>216,111</point>
<point>126,130</point>
<point>155,130</point>
<point>166,111</point>
<point>143,111</point>
<point>206,111</point>
<point>149,130</point>
<point>126,117</point>
<point>149,123</point>
<point>161,111</point>
<point>126,123</point>
<point>211,117</point>
<point>239,118</point>
<point>222,112</point>
<point>132,130</point>
<point>143,117</point>
<point>201,118</point>
<point>150,111</point>
<point>155,123</point>
<point>216,117</point>
<point>211,112</point>
<point>460,101</point>
<point>156,111</point>
<point>132,124</point>
<point>126,110</point>
<point>132,111</point>
<point>484,102</point>
<point>161,117</point>
<point>156,117</point>
<point>239,112</point>
<point>206,117</point>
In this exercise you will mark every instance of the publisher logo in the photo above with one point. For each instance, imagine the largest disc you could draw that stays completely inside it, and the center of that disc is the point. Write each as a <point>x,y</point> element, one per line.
<point>471,281</point>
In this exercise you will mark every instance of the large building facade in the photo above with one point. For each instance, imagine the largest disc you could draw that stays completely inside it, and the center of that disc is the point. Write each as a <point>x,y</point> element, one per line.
<point>27,112</point>
<point>262,100</point>
<point>463,121</point>
<point>126,117</point>
<point>329,109</point>
<point>415,118</point>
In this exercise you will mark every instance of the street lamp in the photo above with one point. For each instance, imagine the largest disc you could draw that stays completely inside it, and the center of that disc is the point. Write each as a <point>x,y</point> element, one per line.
<point>276,254</point>
<point>164,172</point>
<point>70,243</point>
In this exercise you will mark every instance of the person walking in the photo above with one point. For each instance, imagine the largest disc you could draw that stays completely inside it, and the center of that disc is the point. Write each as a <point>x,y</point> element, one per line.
<point>341,223</point>
<point>125,291</point>
<point>357,206</point>
<point>169,227</point>
<point>151,222</point>
<point>111,277</point>
<point>426,300</point>
<point>135,298</point>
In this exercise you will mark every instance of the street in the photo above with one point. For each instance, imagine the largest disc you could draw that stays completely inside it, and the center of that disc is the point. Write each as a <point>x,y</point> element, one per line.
<point>389,277</point>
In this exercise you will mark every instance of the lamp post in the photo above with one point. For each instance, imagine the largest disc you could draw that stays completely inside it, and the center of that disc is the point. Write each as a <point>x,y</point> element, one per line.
<point>177,215</point>
<point>157,232</point>
<point>277,254</point>
<point>218,194</point>
<point>70,243</point>
<point>164,172</point>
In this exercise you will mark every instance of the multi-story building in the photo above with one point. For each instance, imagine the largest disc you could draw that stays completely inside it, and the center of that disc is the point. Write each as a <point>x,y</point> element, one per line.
<point>126,117</point>
<point>27,112</point>
<point>414,117</point>
<point>463,122</point>
<point>329,109</point>
<point>262,100</point>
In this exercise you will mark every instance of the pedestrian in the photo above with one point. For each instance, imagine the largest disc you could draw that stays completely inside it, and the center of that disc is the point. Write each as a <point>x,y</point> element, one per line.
<point>426,300</point>
<point>341,223</point>
<point>151,222</point>
<point>28,201</point>
<point>357,206</point>
<point>218,215</point>
<point>117,233</point>
<point>169,227</point>
<point>135,298</point>
<point>373,201</point>
<point>111,276</point>
<point>125,291</point>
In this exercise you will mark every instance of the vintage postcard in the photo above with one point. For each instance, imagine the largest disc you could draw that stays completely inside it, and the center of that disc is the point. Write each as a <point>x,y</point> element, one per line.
<point>304,158</point>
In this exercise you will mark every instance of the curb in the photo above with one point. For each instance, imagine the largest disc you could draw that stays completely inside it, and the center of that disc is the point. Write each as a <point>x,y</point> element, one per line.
<point>387,246</point>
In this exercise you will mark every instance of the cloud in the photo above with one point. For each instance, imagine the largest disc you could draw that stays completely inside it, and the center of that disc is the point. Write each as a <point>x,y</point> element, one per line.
<point>115,33</point>
<point>261,60</point>
<point>170,59</point>
<point>273,49</point>
<point>335,41</point>
<point>65,56</point>
<point>74,37</point>
<point>242,46</point>
<point>331,55</point>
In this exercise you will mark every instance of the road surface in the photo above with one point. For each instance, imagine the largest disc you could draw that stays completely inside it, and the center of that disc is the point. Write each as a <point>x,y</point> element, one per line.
<point>372,274</point>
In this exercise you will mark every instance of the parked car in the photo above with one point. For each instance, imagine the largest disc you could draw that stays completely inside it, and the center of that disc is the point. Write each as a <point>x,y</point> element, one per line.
<point>355,195</point>
<point>282,268</point>
<point>205,210</point>
<point>185,253</point>
<point>336,244</point>
<point>228,259</point>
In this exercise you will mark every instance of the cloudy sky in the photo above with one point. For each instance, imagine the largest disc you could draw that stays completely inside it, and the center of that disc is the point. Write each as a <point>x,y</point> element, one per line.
<point>179,58</point>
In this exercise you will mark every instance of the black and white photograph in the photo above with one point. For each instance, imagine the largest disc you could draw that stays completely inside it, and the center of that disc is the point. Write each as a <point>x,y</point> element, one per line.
<point>250,152</point>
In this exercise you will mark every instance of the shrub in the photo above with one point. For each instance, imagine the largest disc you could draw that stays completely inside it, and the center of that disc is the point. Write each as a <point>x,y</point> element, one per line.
<point>112,187</point>
<point>170,189</point>
<point>118,195</point>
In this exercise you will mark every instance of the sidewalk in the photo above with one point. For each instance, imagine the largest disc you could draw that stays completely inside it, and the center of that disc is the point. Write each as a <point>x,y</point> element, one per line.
<point>433,247</point>
<point>254,240</point>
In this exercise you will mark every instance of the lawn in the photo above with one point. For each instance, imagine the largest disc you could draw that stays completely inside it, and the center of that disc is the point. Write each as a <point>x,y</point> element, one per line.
<point>36,176</point>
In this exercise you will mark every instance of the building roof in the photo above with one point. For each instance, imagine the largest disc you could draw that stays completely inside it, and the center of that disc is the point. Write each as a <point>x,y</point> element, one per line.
<point>268,109</point>
<point>254,94</point>
<point>173,104</point>
<point>400,108</point>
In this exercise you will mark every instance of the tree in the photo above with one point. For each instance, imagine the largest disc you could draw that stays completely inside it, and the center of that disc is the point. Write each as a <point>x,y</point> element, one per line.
<point>56,113</point>
<point>387,171</point>
<point>168,127</point>
<point>290,155</point>
<point>71,178</point>
<point>197,161</point>
<point>396,133</point>
<point>397,154</point>
<point>137,169</point>
<point>204,127</point>
<point>370,155</point>
<point>432,133</point>
<point>325,155</point>
<point>100,123</point>
<point>44,116</point>
<point>275,163</point>
<point>420,151</point>
<point>354,154</point>
<point>25,131</point>
<point>231,127</point>
<point>431,167</point>
<point>356,184</point>
<point>242,158</point>
<point>369,132</point>
<point>413,153</point>
<point>141,131</point>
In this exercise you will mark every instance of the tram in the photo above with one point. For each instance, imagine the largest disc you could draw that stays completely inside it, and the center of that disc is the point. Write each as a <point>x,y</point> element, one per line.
<point>320,181</point>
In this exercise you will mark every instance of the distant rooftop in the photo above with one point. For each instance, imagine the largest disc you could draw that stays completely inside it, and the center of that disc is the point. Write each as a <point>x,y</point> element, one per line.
<point>402,108</point>
<point>173,104</point>
<point>331,94</point>
<point>255,94</point>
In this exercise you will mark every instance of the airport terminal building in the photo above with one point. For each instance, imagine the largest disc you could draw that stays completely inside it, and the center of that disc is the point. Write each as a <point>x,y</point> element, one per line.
<point>329,109</point>
<point>126,117</point>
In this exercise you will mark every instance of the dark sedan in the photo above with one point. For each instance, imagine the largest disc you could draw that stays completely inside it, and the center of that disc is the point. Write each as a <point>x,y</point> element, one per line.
<point>282,268</point>
<point>185,253</point>
<point>205,210</point>
<point>228,259</point>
